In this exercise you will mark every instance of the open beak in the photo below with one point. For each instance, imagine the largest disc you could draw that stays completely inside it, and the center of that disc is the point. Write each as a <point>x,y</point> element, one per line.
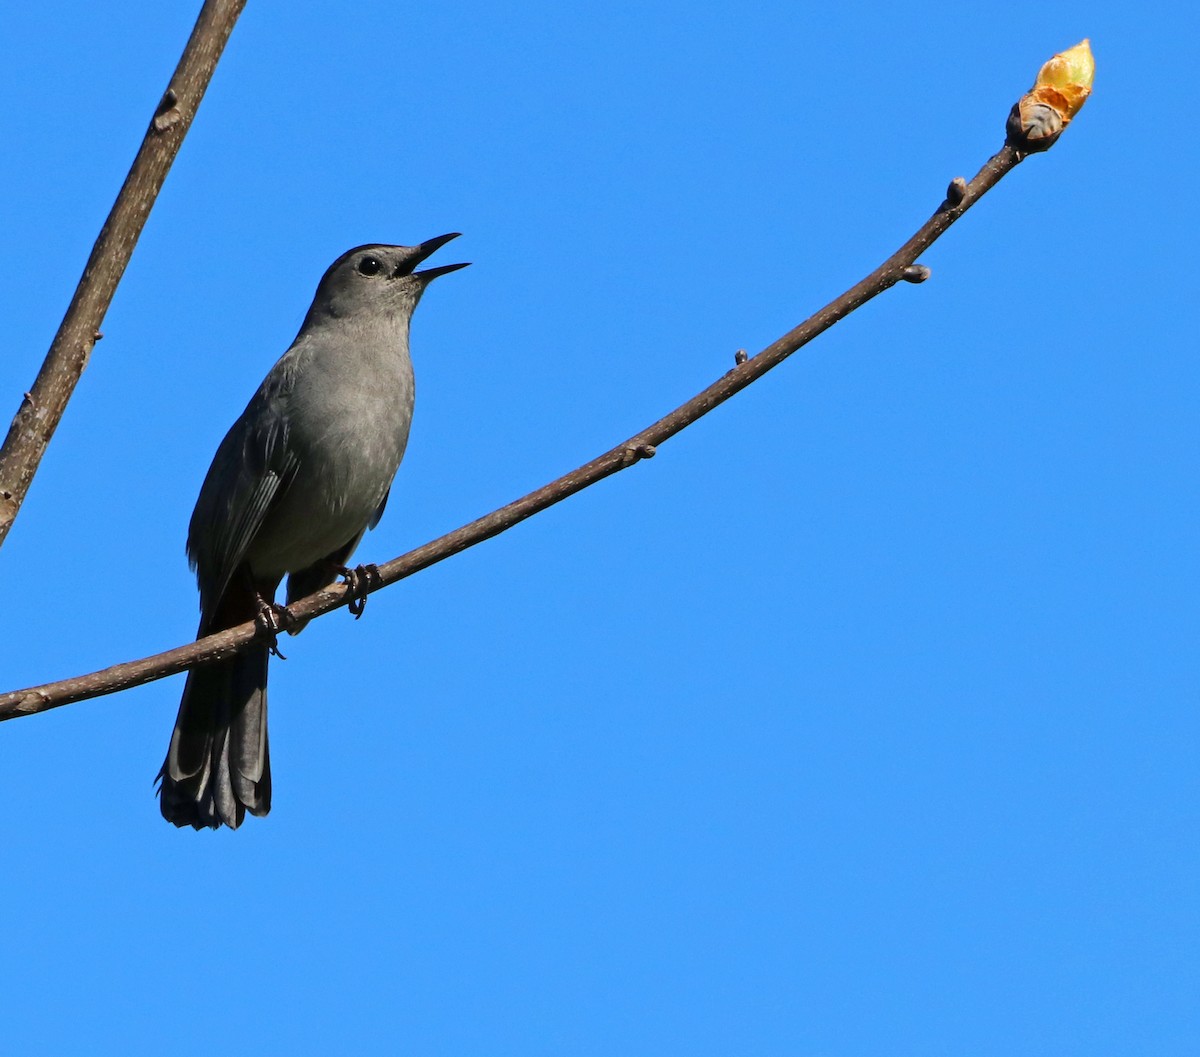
<point>427,249</point>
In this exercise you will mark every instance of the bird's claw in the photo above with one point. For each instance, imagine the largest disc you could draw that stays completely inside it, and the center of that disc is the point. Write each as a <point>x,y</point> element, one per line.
<point>361,581</point>
<point>270,620</point>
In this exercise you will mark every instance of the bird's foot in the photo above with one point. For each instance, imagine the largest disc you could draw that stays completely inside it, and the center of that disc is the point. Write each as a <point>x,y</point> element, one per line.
<point>361,581</point>
<point>271,619</point>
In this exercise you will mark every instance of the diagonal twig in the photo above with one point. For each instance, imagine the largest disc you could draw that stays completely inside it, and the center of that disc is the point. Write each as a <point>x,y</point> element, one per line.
<point>900,266</point>
<point>1037,120</point>
<point>42,407</point>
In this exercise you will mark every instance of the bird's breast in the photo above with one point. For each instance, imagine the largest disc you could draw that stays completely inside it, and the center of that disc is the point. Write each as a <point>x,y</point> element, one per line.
<point>347,430</point>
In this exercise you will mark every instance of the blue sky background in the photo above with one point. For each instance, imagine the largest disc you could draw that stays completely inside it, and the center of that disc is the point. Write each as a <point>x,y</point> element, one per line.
<point>862,720</point>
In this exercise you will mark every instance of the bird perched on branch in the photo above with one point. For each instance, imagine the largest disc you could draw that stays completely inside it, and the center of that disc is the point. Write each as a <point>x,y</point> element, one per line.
<point>298,479</point>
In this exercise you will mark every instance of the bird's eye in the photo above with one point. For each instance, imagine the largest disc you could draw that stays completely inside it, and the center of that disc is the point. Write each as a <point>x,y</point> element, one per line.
<point>369,266</point>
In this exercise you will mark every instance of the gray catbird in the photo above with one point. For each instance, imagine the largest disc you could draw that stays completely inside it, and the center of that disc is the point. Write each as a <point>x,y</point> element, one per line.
<point>303,473</point>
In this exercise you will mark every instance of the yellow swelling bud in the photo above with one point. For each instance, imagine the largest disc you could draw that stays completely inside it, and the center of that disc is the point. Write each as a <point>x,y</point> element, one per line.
<point>1062,87</point>
<point>1066,80</point>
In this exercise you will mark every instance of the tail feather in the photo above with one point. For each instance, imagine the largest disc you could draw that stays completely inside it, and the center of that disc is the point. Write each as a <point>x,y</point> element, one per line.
<point>248,752</point>
<point>228,810</point>
<point>218,766</point>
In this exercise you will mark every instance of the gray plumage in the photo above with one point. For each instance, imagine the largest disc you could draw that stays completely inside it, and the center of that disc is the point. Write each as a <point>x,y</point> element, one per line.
<point>298,479</point>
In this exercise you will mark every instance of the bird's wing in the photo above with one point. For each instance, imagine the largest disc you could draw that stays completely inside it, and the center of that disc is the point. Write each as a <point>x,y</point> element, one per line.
<point>379,510</point>
<point>253,467</point>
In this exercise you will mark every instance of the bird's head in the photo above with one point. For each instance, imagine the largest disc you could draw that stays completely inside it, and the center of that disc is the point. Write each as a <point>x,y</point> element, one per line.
<point>378,279</point>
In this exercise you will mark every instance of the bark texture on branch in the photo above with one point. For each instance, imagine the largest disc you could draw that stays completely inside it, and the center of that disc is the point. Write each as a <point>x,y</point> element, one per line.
<point>42,407</point>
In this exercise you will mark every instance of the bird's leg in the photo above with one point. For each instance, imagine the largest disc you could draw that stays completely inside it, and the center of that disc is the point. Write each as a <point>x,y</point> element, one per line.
<point>361,580</point>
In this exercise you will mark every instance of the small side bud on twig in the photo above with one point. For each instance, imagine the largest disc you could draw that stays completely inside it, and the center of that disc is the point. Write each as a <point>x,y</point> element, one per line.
<point>636,452</point>
<point>1058,94</point>
<point>915,273</point>
<point>167,113</point>
<point>957,191</point>
<point>32,702</point>
<point>740,357</point>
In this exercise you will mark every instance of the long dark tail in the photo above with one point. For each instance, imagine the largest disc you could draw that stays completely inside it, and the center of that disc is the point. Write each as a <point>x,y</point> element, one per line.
<point>218,765</point>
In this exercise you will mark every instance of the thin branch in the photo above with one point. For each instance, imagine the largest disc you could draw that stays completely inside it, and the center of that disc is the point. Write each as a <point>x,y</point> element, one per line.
<point>900,266</point>
<point>42,407</point>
